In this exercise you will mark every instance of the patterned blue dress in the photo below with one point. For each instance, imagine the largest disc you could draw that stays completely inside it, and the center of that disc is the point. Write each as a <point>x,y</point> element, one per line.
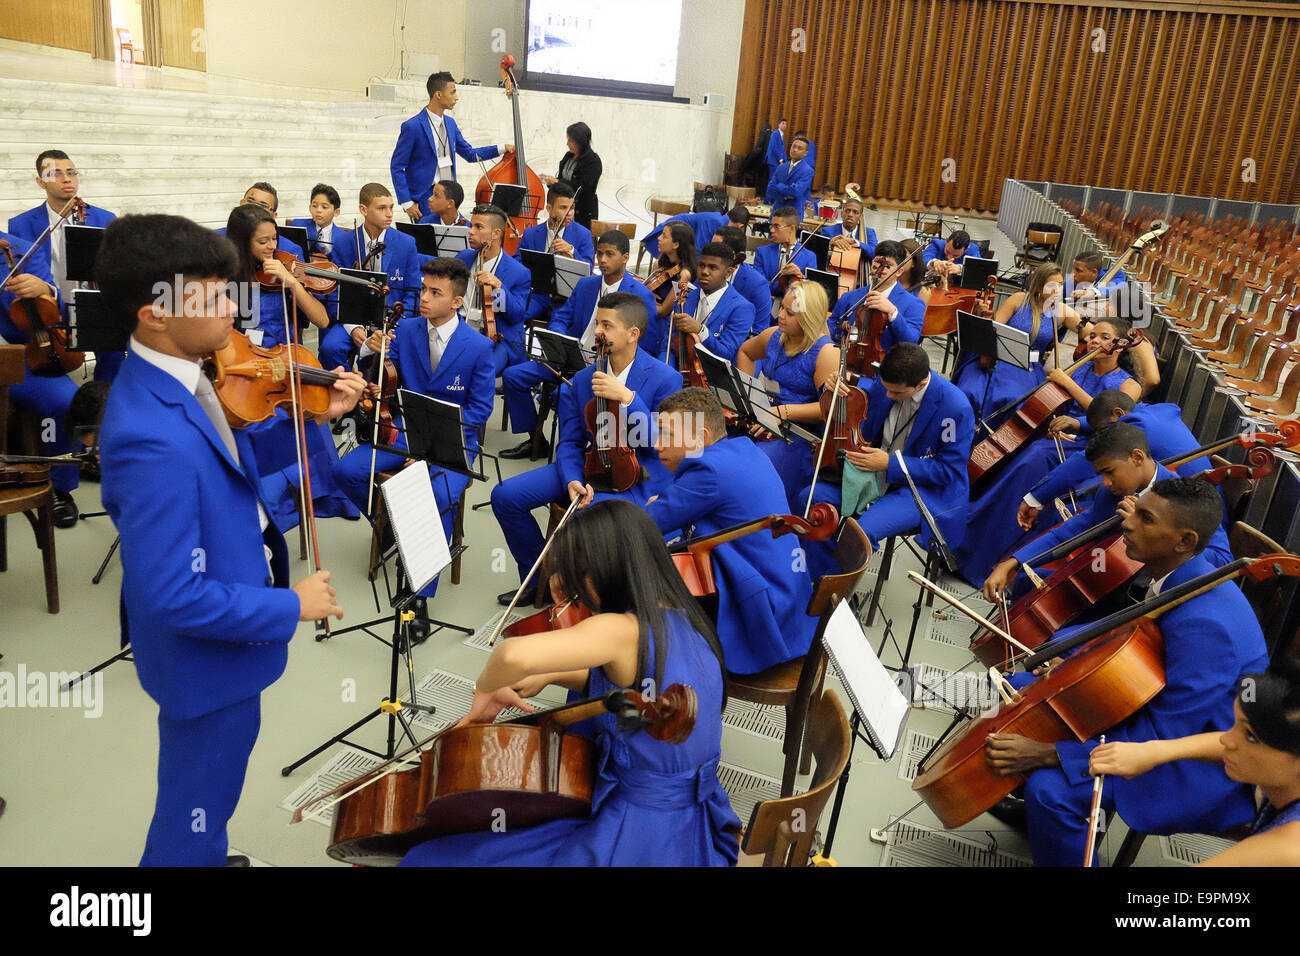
<point>1271,817</point>
<point>794,375</point>
<point>989,391</point>
<point>655,803</point>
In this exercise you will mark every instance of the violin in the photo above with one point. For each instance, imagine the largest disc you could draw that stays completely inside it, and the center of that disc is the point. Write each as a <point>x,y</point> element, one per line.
<point>843,414</point>
<point>252,382</point>
<point>656,280</point>
<point>47,352</point>
<point>864,351</point>
<point>688,363</point>
<point>376,412</point>
<point>611,465</point>
<point>1033,415</point>
<point>1086,579</point>
<point>489,317</point>
<point>527,767</point>
<point>1118,668</point>
<point>24,471</point>
<point>319,278</point>
<point>513,171</point>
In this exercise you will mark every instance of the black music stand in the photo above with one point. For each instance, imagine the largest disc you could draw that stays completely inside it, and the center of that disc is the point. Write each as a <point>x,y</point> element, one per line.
<point>510,199</point>
<point>359,305</point>
<point>997,341</point>
<point>552,275</point>
<point>828,281</point>
<point>298,235</point>
<point>563,353</point>
<point>745,396</point>
<point>818,244</point>
<point>436,239</point>
<point>976,271</point>
<point>81,248</point>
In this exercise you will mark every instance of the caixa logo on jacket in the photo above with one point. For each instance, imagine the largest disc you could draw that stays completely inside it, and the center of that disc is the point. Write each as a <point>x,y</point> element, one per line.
<point>455,385</point>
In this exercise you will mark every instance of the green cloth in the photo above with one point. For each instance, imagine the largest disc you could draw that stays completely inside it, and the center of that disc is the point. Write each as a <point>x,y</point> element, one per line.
<point>860,489</point>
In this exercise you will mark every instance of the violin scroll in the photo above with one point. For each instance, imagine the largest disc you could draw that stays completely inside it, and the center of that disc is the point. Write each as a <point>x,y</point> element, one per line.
<point>821,523</point>
<point>669,718</point>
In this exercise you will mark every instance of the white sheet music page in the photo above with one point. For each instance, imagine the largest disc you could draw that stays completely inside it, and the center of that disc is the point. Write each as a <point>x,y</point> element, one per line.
<point>413,512</point>
<point>872,689</point>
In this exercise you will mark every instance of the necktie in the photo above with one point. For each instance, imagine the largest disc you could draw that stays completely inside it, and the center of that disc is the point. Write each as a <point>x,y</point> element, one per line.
<point>210,404</point>
<point>376,262</point>
<point>905,411</point>
<point>435,351</point>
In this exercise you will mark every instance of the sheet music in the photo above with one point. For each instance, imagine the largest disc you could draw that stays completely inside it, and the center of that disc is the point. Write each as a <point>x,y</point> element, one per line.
<point>451,239</point>
<point>568,272</point>
<point>413,512</point>
<point>879,702</point>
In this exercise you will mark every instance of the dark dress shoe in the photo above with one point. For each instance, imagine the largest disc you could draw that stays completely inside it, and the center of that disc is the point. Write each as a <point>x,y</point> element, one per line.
<point>525,450</point>
<point>65,510</point>
<point>527,597</point>
<point>1011,811</point>
<point>237,860</point>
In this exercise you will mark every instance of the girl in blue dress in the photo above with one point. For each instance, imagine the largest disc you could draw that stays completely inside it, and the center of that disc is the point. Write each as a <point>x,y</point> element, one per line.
<point>654,803</point>
<point>252,230</point>
<point>1039,312</point>
<point>1261,748</point>
<point>796,355</point>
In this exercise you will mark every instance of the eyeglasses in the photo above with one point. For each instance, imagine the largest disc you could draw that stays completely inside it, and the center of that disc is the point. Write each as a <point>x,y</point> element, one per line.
<point>60,174</point>
<point>257,202</point>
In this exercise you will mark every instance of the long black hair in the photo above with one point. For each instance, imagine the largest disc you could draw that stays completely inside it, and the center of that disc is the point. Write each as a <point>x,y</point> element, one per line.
<point>241,225</point>
<point>687,256</point>
<point>1271,702</point>
<point>612,558</point>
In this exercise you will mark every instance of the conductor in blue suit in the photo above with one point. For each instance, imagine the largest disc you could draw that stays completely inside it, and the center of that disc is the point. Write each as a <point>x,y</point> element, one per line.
<point>438,355</point>
<point>926,418</point>
<point>791,183</point>
<point>575,317</point>
<point>906,311</point>
<point>718,482</point>
<point>637,382</point>
<point>1210,641</point>
<point>58,178</point>
<point>204,602</point>
<point>494,273</point>
<point>382,249</point>
<point>715,311</point>
<point>428,145</point>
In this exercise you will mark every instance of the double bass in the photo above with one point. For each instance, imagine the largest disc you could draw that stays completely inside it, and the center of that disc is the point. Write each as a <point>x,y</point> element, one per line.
<point>512,170</point>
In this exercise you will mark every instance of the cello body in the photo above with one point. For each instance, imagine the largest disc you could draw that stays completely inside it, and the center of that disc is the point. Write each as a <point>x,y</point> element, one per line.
<point>512,170</point>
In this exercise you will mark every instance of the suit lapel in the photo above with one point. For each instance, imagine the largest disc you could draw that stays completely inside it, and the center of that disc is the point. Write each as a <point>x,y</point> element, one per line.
<point>455,345</point>
<point>929,405</point>
<point>428,135</point>
<point>169,391</point>
<point>419,345</point>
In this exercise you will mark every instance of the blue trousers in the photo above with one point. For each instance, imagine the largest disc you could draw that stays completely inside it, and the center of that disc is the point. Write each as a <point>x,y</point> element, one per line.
<point>894,512</point>
<point>201,766</point>
<point>510,350</point>
<point>48,399</point>
<point>514,499</point>
<point>793,462</point>
<point>518,382</point>
<point>354,479</point>
<point>336,348</point>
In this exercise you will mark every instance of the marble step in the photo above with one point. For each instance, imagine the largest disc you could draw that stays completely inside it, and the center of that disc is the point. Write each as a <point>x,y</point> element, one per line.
<point>75,134</point>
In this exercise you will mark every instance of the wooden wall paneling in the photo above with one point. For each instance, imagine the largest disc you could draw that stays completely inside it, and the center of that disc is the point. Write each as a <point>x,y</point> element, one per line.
<point>66,24</point>
<point>967,82</point>
<point>1282,119</point>
<point>988,147</point>
<point>1250,137</point>
<point>180,20</point>
<point>1148,112</point>
<point>1160,152</point>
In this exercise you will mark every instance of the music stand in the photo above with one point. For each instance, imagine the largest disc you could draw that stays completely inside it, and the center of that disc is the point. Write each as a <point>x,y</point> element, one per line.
<point>995,340</point>
<point>359,305</point>
<point>423,553</point>
<point>554,275</point>
<point>828,281</point>
<point>746,396</point>
<point>509,198</point>
<point>975,272</point>
<point>435,239</point>
<point>819,245</point>
<point>563,353</point>
<point>81,247</point>
<point>298,235</point>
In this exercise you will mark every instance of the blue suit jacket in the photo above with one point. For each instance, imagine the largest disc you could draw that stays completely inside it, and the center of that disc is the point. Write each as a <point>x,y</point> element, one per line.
<point>1103,507</point>
<point>936,452</point>
<point>651,380</point>
<point>338,239</point>
<point>572,315</point>
<point>465,374</point>
<point>401,263</point>
<point>1162,424</point>
<point>515,295</point>
<point>775,154</point>
<point>39,266</point>
<point>1210,642</point>
<point>767,261</point>
<point>703,224</point>
<point>577,235</point>
<point>906,326</point>
<point>750,283</point>
<point>431,220</point>
<point>935,251</point>
<point>790,185</point>
<point>206,626</point>
<point>729,323</point>
<point>415,158</point>
<point>762,604</point>
<point>30,224</point>
<point>867,241</point>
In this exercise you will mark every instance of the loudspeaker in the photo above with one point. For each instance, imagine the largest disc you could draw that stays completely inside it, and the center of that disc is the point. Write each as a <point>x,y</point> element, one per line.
<point>715,99</point>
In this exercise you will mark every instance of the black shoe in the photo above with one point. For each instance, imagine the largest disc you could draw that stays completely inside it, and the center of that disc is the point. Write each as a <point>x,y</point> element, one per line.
<point>525,450</point>
<point>527,597</point>
<point>237,860</point>
<point>65,510</point>
<point>1011,811</point>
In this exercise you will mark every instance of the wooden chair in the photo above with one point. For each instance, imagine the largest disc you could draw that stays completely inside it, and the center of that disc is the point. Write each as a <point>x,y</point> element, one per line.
<point>739,193</point>
<point>35,502</point>
<point>792,685</point>
<point>599,228</point>
<point>127,52</point>
<point>667,209</point>
<point>781,831</point>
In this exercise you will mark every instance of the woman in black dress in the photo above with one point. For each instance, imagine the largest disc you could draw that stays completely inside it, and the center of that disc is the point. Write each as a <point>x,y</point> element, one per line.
<point>580,168</point>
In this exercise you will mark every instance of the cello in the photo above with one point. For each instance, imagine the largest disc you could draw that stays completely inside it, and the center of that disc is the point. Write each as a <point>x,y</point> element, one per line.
<point>1117,670</point>
<point>511,170</point>
<point>527,766</point>
<point>1086,579</point>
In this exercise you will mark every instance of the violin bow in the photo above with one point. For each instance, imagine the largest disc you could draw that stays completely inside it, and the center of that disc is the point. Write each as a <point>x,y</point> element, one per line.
<point>374,438</point>
<point>40,240</point>
<point>826,434</point>
<point>978,618</point>
<point>505,615</point>
<point>308,512</point>
<point>1094,814</point>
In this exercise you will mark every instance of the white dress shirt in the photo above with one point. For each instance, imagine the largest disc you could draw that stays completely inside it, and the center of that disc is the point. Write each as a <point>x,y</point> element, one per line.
<point>901,418</point>
<point>588,339</point>
<point>473,302</point>
<point>442,142</point>
<point>704,308</point>
<point>58,257</point>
